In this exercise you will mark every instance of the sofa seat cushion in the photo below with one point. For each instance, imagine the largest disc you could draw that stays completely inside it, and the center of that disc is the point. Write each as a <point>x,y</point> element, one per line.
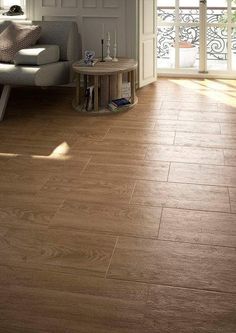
<point>57,73</point>
<point>16,37</point>
<point>38,55</point>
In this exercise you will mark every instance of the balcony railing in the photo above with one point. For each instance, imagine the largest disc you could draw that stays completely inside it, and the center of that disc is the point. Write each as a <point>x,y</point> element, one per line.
<point>217,37</point>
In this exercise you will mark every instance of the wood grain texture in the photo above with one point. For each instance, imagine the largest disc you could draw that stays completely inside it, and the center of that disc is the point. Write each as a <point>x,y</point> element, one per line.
<point>88,190</point>
<point>172,310</point>
<point>99,214</point>
<point>63,251</point>
<point>141,136</point>
<point>177,264</point>
<point>188,196</point>
<point>104,218</point>
<point>188,126</point>
<point>232,194</point>
<point>185,154</point>
<point>230,157</point>
<point>205,140</point>
<point>198,227</point>
<point>203,174</point>
<point>127,169</point>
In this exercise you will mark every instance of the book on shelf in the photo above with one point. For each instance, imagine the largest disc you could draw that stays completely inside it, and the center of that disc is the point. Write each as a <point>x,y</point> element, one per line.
<point>120,102</point>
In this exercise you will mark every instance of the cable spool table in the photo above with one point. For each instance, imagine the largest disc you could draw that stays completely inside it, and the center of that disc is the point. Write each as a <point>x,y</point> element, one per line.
<point>107,78</point>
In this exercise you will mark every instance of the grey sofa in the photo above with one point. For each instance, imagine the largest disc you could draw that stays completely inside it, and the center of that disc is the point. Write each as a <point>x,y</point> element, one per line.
<point>64,36</point>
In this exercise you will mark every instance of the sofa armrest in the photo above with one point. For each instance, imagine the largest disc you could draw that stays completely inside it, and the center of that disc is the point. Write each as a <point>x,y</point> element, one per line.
<point>38,55</point>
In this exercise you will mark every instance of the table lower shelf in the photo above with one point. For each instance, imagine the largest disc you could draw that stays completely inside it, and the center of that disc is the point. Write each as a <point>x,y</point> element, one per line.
<point>103,111</point>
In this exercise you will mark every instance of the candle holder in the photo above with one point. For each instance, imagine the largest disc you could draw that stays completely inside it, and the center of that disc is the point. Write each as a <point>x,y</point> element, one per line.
<point>102,42</point>
<point>108,57</point>
<point>115,53</point>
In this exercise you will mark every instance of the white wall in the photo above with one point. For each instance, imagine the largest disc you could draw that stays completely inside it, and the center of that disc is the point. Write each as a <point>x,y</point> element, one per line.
<point>90,14</point>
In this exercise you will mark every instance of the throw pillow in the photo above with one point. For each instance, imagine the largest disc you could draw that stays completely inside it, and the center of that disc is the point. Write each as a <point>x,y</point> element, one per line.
<point>16,37</point>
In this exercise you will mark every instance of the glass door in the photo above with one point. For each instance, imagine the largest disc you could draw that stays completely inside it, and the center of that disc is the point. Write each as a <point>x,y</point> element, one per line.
<point>196,38</point>
<point>178,32</point>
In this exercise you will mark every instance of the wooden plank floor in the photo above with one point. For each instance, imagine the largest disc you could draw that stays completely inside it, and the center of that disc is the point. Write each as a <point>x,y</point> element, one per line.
<point>123,223</point>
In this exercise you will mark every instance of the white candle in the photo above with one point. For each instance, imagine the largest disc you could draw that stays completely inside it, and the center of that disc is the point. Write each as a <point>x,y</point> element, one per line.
<point>103,31</point>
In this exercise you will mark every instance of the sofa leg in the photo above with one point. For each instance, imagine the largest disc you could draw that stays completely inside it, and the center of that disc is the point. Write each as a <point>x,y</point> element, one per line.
<point>3,100</point>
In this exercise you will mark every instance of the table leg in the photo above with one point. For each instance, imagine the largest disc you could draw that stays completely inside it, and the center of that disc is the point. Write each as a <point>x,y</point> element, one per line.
<point>78,90</point>
<point>119,85</point>
<point>113,87</point>
<point>96,99</point>
<point>104,91</point>
<point>133,87</point>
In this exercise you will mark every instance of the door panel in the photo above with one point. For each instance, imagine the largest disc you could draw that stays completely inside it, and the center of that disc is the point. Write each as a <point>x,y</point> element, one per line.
<point>147,38</point>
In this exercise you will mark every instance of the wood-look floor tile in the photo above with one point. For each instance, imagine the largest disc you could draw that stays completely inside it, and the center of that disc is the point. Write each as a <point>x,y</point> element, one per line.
<point>24,184</point>
<point>207,117</point>
<point>19,246</point>
<point>110,148</point>
<point>101,168</point>
<point>185,154</point>
<point>228,129</point>
<point>203,174</point>
<point>187,126</point>
<point>230,157</point>
<point>226,108</point>
<point>88,190</point>
<point>205,140</point>
<point>232,193</point>
<point>61,251</point>
<point>198,227</point>
<point>107,305</point>
<point>176,264</point>
<point>172,310</point>
<point>147,112</point>
<point>91,133</point>
<point>193,106</point>
<point>141,136</point>
<point>109,219</point>
<point>57,311</point>
<point>187,196</point>
<point>25,211</point>
<point>134,124</point>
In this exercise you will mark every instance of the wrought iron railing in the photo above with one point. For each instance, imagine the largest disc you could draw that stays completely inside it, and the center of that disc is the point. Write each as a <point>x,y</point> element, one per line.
<point>217,37</point>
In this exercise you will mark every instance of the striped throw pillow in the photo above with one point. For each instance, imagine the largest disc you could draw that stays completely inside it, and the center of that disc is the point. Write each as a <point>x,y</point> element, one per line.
<point>16,37</point>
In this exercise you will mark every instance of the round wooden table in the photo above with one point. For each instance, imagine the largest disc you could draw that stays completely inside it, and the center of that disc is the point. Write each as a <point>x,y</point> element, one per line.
<point>107,79</point>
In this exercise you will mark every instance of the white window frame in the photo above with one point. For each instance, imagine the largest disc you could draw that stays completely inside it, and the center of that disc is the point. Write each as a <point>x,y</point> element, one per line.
<point>4,7</point>
<point>5,4</point>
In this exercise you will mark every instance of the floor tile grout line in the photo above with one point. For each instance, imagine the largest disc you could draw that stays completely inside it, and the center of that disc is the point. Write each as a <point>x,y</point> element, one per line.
<point>150,238</point>
<point>86,165</point>
<point>160,224</point>
<point>231,210</point>
<point>169,170</point>
<point>112,255</point>
<point>184,183</point>
<point>132,193</point>
<point>153,284</point>
<point>106,134</point>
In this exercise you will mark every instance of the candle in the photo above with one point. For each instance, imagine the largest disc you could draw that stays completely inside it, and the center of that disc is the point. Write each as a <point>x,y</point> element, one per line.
<point>115,37</point>
<point>103,31</point>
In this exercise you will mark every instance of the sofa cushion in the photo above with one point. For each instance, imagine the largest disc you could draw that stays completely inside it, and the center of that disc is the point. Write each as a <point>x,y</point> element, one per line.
<point>57,73</point>
<point>38,55</point>
<point>16,37</point>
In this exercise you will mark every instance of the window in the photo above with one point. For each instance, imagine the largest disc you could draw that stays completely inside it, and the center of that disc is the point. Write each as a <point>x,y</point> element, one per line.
<point>5,4</point>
